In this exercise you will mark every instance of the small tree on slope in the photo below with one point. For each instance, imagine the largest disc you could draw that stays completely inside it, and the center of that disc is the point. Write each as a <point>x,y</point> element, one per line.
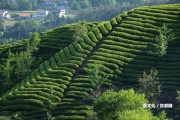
<point>165,35</point>
<point>79,30</point>
<point>96,78</point>
<point>149,85</point>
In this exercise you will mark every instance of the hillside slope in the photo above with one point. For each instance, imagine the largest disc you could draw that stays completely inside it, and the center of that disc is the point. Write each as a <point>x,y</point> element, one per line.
<point>120,45</point>
<point>51,41</point>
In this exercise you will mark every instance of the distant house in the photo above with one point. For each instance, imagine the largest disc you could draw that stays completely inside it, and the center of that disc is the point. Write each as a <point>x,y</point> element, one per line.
<point>25,16</point>
<point>5,15</point>
<point>62,13</point>
<point>41,14</point>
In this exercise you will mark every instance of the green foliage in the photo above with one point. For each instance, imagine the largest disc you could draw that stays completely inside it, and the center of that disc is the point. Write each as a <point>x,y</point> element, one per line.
<point>94,74</point>
<point>108,26</point>
<point>124,105</point>
<point>5,72</point>
<point>53,101</point>
<point>166,35</point>
<point>113,22</point>
<point>98,34</point>
<point>23,62</point>
<point>112,104</point>
<point>178,100</point>
<point>149,85</point>
<point>162,116</point>
<point>7,68</point>
<point>49,116</point>
<point>34,41</point>
<point>122,55</point>
<point>80,30</point>
<point>5,118</point>
<point>103,29</point>
<point>23,29</point>
<point>119,19</point>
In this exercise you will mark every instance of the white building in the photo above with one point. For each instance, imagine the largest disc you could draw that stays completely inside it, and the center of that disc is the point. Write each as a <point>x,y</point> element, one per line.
<point>62,13</point>
<point>41,14</point>
<point>5,15</point>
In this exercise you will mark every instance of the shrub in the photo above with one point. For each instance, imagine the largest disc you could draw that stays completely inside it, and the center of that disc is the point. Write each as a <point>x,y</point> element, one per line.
<point>86,46</point>
<point>103,29</point>
<point>113,22</point>
<point>58,59</point>
<point>88,41</point>
<point>53,63</point>
<point>5,118</point>
<point>140,28</point>
<point>78,48</point>
<point>98,34</point>
<point>74,53</point>
<point>133,37</point>
<point>47,66</point>
<point>169,16</point>
<point>118,19</point>
<point>42,69</point>
<point>74,88</point>
<point>134,31</point>
<point>124,15</point>
<point>92,37</point>
<point>24,101</point>
<point>67,52</point>
<point>107,64</point>
<point>63,56</point>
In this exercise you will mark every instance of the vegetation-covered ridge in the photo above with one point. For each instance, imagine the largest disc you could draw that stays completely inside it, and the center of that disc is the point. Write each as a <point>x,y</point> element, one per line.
<point>61,37</point>
<point>51,39</point>
<point>122,46</point>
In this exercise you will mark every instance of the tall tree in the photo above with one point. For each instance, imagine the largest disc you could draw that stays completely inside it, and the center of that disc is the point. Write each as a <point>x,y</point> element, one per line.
<point>165,35</point>
<point>150,86</point>
<point>23,62</point>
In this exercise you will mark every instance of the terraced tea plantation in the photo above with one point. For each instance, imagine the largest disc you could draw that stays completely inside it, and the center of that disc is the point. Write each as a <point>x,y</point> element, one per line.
<point>61,37</point>
<point>121,46</point>
<point>51,41</point>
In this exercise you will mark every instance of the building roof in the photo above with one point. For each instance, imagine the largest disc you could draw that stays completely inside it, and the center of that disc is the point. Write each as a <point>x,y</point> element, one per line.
<point>25,14</point>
